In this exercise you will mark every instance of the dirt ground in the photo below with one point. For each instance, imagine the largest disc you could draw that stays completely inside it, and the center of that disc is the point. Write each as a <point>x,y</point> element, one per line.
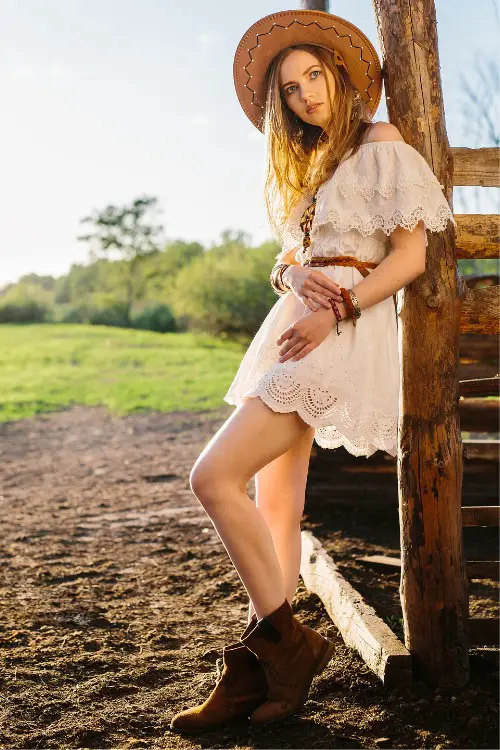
<point>117,596</point>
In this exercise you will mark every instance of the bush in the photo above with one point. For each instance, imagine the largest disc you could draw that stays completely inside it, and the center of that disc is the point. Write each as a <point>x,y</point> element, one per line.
<point>24,311</point>
<point>154,317</point>
<point>226,291</point>
<point>67,313</point>
<point>113,314</point>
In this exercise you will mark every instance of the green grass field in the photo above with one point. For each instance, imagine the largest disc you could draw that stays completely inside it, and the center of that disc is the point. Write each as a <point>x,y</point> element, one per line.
<point>49,367</point>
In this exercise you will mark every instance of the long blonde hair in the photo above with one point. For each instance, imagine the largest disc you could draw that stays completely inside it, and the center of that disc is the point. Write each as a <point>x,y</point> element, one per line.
<point>291,143</point>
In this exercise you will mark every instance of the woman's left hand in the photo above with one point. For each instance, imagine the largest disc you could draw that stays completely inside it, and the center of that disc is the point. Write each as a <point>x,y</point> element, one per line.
<point>307,333</point>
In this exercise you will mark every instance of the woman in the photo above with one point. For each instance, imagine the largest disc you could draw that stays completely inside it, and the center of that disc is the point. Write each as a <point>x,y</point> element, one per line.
<point>324,363</point>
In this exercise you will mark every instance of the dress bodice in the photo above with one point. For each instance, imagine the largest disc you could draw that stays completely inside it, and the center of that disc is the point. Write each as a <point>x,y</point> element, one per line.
<point>383,185</point>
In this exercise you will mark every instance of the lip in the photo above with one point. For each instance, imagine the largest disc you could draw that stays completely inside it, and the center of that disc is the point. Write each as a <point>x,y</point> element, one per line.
<point>313,109</point>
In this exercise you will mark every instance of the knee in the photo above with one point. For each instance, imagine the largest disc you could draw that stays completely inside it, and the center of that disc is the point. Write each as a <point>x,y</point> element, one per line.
<point>203,482</point>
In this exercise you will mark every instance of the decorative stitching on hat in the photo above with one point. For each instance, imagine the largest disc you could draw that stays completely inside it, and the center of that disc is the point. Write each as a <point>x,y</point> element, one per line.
<point>323,28</point>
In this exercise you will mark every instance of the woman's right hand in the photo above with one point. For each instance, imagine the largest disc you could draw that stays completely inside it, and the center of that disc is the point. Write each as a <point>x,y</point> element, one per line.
<point>311,286</point>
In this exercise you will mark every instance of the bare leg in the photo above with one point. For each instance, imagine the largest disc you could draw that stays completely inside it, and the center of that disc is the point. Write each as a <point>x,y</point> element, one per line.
<point>253,436</point>
<point>280,495</point>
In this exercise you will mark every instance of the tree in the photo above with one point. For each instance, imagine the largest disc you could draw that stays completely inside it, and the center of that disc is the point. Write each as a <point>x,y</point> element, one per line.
<point>129,229</point>
<point>479,110</point>
<point>234,237</point>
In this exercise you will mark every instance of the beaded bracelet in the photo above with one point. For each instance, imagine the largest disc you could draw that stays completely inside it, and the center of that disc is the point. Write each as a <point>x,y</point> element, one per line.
<point>352,306</point>
<point>337,314</point>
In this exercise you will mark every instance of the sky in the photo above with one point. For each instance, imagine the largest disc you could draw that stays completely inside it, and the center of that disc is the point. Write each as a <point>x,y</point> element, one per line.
<point>107,100</point>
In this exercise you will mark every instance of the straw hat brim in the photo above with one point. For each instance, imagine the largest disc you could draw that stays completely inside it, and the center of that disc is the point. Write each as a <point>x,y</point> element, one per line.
<point>261,43</point>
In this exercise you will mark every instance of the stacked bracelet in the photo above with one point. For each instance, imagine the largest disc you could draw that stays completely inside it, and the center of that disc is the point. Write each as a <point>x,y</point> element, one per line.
<point>351,304</point>
<point>349,298</point>
<point>276,278</point>
<point>356,310</point>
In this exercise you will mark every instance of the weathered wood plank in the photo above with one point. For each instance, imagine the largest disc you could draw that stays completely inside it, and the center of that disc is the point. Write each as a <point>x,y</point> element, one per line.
<point>380,562</point>
<point>480,387</point>
<point>483,569</point>
<point>478,236</point>
<point>476,166</point>
<point>479,415</point>
<point>486,450</point>
<point>475,568</point>
<point>479,370</point>
<point>479,357</point>
<point>481,311</point>
<point>482,280</point>
<point>477,348</point>
<point>358,623</point>
<point>481,515</point>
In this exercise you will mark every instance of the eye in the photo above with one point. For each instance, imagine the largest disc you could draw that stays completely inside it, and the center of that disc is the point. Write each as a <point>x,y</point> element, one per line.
<point>290,88</point>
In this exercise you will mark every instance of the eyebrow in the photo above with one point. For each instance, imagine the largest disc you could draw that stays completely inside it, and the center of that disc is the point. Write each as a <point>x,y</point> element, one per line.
<point>305,71</point>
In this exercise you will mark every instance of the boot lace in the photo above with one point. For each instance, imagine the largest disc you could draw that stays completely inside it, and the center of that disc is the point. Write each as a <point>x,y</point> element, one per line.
<point>227,697</point>
<point>219,664</point>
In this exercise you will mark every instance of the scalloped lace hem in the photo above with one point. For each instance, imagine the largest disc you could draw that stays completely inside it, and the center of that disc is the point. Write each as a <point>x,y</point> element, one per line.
<point>382,430</point>
<point>388,222</point>
<point>365,450</point>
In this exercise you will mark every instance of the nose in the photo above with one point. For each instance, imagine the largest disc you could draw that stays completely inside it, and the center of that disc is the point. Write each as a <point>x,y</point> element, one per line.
<point>306,98</point>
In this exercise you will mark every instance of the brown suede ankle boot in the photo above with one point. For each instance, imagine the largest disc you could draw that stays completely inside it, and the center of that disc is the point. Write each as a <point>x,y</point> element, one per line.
<point>291,654</point>
<point>241,687</point>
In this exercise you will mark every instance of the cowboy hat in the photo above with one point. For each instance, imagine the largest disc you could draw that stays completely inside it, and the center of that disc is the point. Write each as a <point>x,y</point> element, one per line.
<point>261,43</point>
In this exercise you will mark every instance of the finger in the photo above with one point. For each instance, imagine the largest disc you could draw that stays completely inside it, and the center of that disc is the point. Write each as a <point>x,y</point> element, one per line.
<point>290,352</point>
<point>311,304</point>
<point>287,349</point>
<point>323,301</point>
<point>296,350</point>
<point>322,285</point>
<point>319,299</point>
<point>284,336</point>
<point>328,284</point>
<point>332,295</point>
<point>288,345</point>
<point>308,348</point>
<point>311,299</point>
<point>330,290</point>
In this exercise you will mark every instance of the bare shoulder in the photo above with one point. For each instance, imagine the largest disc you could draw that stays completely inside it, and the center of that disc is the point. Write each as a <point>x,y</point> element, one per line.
<point>383,131</point>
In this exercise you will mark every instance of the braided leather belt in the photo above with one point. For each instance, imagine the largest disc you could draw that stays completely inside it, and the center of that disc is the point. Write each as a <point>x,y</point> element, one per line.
<point>341,260</point>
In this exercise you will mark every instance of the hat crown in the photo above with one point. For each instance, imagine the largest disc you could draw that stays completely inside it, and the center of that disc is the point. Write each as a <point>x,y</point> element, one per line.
<point>271,34</point>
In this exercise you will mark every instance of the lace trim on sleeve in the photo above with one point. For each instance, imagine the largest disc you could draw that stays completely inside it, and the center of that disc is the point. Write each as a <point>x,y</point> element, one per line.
<point>384,185</point>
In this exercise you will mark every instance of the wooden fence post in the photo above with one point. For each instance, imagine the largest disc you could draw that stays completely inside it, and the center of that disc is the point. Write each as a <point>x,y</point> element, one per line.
<point>433,589</point>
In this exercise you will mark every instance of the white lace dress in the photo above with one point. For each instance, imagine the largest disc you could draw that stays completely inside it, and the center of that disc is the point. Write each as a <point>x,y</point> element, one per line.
<point>348,386</point>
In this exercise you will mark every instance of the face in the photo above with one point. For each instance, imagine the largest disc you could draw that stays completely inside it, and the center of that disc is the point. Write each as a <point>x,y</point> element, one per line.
<point>303,84</point>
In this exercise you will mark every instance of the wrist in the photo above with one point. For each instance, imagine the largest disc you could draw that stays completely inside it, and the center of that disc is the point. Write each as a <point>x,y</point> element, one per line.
<point>286,277</point>
<point>330,312</point>
<point>342,310</point>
